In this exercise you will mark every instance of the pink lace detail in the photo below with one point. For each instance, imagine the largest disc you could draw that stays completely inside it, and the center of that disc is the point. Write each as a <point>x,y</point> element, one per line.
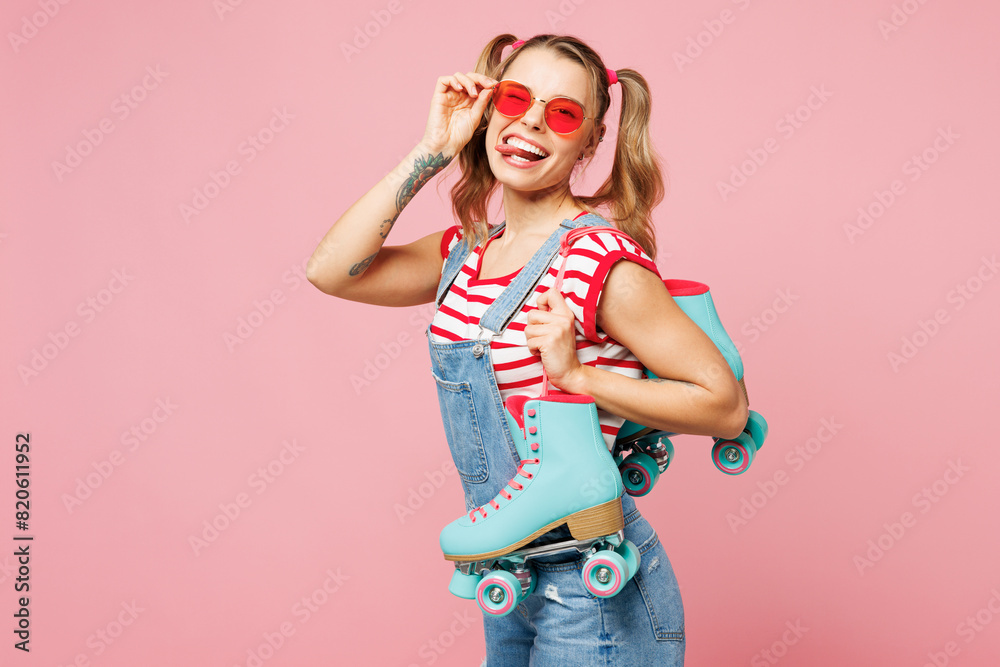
<point>503,492</point>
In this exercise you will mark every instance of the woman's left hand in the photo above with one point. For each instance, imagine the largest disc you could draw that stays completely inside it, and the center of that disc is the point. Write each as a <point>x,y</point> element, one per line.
<point>551,333</point>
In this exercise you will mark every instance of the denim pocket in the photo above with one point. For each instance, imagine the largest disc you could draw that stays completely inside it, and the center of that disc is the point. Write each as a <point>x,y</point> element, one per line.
<point>657,583</point>
<point>461,427</point>
<point>659,589</point>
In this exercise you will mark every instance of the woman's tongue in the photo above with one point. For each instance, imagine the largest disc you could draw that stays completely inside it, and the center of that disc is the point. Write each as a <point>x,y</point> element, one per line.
<point>508,149</point>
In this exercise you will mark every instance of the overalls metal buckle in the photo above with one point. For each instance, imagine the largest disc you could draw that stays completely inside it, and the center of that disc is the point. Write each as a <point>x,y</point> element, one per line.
<point>482,341</point>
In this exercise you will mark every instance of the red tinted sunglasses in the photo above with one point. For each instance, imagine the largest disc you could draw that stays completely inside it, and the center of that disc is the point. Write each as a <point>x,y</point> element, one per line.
<point>513,99</point>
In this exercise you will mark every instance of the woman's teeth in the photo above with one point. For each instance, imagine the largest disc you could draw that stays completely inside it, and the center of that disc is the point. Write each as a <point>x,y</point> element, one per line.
<point>525,146</point>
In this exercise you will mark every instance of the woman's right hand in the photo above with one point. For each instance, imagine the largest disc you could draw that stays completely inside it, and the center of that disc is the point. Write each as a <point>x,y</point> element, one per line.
<point>456,108</point>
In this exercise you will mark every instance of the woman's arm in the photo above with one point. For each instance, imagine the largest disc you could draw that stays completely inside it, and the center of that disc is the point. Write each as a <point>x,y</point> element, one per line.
<point>696,391</point>
<point>351,263</point>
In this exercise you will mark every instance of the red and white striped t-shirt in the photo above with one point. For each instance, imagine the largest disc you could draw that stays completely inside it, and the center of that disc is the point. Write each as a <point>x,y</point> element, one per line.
<point>517,370</point>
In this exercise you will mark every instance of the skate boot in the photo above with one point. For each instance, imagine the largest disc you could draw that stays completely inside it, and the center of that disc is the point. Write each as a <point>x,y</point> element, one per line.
<point>652,450</point>
<point>566,477</point>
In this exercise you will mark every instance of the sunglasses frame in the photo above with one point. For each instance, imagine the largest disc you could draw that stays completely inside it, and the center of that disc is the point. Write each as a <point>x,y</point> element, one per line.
<point>535,99</point>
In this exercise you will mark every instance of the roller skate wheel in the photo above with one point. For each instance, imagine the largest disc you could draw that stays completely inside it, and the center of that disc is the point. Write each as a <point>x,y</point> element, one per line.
<point>464,585</point>
<point>734,456</point>
<point>498,593</point>
<point>532,582</point>
<point>639,473</point>
<point>605,573</point>
<point>757,428</point>
<point>670,451</point>
<point>630,553</point>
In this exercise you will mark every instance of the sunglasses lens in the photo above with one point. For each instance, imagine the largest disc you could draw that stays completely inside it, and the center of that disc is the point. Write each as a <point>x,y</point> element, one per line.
<point>561,115</point>
<point>511,99</point>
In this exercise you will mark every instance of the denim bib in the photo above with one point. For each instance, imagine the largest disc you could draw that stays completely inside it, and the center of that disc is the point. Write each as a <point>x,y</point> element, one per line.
<point>471,408</point>
<point>647,617</point>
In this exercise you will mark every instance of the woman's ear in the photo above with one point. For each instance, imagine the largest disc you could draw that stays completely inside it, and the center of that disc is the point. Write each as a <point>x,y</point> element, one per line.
<point>595,140</point>
<point>596,136</point>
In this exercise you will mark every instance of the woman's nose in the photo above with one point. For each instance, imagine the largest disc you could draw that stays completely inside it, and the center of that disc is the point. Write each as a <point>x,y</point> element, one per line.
<point>535,113</point>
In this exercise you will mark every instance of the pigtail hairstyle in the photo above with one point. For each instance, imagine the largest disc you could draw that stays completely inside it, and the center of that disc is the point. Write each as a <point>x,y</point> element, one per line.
<point>636,183</point>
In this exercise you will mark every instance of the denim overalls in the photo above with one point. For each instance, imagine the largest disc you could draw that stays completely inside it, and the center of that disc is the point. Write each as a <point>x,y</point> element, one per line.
<point>561,623</point>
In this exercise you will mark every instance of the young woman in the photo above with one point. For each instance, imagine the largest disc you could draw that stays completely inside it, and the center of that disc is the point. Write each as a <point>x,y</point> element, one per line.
<point>526,123</point>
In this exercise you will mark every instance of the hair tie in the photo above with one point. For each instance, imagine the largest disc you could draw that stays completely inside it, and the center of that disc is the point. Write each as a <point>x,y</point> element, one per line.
<point>612,75</point>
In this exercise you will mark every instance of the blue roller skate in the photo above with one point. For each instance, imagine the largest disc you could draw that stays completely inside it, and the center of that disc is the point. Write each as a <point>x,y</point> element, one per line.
<point>651,450</point>
<point>566,476</point>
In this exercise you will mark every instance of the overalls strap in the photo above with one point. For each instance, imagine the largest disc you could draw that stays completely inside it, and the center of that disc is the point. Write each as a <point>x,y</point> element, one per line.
<point>456,260</point>
<point>509,303</point>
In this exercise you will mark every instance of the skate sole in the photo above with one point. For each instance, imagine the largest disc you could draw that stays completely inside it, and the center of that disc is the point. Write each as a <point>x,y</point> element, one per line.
<point>604,519</point>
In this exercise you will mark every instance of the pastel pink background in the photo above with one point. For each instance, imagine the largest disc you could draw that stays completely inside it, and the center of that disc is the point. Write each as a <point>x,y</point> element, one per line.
<point>365,450</point>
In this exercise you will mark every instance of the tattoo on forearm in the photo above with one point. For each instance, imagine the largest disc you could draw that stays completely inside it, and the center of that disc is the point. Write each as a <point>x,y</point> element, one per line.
<point>383,229</point>
<point>362,265</point>
<point>424,169</point>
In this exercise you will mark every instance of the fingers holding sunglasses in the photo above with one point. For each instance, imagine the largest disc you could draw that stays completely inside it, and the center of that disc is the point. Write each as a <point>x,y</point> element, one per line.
<point>461,84</point>
<point>456,109</point>
<point>484,81</point>
<point>460,91</point>
<point>473,82</point>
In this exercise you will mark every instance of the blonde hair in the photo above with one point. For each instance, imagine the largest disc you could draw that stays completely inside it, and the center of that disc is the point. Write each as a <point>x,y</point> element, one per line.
<point>634,187</point>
